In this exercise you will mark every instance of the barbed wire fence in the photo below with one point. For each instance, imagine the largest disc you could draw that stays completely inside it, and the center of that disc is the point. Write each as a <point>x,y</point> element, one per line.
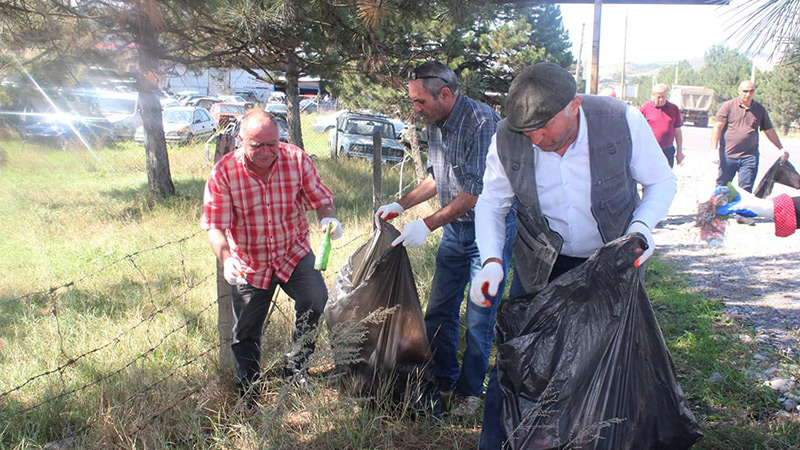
<point>23,395</point>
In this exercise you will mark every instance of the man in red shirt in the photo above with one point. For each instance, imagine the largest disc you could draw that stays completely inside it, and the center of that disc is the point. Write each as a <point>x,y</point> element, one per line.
<point>254,208</point>
<point>665,120</point>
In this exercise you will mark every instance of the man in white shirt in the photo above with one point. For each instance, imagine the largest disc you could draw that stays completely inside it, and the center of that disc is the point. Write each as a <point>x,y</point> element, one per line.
<point>571,164</point>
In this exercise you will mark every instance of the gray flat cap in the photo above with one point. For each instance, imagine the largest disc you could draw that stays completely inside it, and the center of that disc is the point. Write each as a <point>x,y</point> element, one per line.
<point>537,94</point>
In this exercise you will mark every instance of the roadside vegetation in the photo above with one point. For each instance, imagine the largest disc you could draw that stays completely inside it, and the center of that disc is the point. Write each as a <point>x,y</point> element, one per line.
<point>108,324</point>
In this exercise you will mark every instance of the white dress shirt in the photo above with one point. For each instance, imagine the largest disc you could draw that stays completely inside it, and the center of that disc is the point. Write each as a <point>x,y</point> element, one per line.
<point>563,185</point>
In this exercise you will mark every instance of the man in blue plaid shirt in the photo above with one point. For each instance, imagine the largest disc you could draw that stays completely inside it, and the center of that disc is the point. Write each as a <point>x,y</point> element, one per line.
<point>459,133</point>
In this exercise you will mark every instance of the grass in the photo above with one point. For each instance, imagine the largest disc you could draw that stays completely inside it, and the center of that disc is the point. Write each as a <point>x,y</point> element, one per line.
<point>128,351</point>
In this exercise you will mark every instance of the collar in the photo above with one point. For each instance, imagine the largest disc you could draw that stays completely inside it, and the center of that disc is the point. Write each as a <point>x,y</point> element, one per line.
<point>581,137</point>
<point>454,118</point>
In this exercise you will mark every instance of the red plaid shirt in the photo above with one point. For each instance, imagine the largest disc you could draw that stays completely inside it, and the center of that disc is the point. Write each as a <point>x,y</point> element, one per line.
<point>265,221</point>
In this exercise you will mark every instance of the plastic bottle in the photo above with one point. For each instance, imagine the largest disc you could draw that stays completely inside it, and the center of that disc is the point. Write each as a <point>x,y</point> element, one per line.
<point>324,250</point>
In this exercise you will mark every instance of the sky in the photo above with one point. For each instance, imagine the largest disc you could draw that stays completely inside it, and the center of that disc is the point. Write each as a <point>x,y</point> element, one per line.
<point>656,33</point>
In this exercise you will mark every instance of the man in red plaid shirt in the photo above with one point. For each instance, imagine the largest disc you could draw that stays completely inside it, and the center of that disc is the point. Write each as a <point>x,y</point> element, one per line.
<point>254,208</point>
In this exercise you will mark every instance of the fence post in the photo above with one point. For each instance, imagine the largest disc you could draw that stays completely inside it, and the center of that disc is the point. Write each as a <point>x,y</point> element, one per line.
<point>377,157</point>
<point>225,144</point>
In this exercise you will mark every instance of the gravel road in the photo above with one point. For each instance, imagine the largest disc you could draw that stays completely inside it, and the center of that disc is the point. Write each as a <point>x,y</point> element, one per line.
<point>754,272</point>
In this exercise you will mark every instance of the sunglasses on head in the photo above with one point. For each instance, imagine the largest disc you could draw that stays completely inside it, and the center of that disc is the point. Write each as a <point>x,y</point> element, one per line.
<point>415,76</point>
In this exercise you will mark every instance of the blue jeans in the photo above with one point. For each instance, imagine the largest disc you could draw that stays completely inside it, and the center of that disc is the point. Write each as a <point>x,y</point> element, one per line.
<point>747,168</point>
<point>251,305</point>
<point>492,434</point>
<point>457,262</point>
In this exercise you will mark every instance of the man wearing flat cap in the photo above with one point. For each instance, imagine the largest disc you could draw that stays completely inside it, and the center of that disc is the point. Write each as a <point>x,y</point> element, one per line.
<point>571,164</point>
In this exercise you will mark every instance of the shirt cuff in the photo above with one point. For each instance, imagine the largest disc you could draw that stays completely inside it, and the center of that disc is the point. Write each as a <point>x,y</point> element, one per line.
<point>785,216</point>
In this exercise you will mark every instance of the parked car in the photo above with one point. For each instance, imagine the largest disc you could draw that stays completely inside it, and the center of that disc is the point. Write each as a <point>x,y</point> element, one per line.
<point>236,99</point>
<point>225,112</point>
<point>276,108</point>
<point>283,128</point>
<point>249,96</point>
<point>122,110</point>
<point>324,124</point>
<point>203,102</point>
<point>183,125</point>
<point>66,130</point>
<point>352,137</point>
<point>309,105</point>
<point>277,97</point>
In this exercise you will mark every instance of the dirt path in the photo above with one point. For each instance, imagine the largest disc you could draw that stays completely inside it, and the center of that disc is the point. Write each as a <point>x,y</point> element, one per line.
<point>754,272</point>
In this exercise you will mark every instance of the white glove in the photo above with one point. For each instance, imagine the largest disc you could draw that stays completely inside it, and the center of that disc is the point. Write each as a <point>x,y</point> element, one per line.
<point>639,227</point>
<point>233,272</point>
<point>748,205</point>
<point>485,284</point>
<point>390,211</point>
<point>413,234</point>
<point>336,232</point>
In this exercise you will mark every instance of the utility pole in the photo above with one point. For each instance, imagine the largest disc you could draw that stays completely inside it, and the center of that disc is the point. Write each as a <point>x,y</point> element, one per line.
<point>598,7</point>
<point>580,55</point>
<point>676,73</point>
<point>624,55</point>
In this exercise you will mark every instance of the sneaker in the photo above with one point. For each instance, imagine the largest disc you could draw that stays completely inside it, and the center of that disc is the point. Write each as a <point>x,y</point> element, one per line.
<point>746,220</point>
<point>465,406</point>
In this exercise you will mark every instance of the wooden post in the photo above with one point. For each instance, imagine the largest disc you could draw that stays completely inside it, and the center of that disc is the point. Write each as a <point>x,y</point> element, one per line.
<point>377,157</point>
<point>225,144</point>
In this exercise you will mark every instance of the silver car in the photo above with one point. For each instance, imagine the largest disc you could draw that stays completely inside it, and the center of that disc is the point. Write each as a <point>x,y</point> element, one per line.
<point>183,125</point>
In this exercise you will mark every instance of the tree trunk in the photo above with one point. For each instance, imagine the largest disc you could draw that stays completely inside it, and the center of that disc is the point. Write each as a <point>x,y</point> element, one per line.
<point>293,103</point>
<point>159,180</point>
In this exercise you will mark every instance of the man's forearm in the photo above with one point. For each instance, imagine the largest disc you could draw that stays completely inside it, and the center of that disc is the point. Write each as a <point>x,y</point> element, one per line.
<point>715,134</point>
<point>424,191</point>
<point>219,244</point>
<point>455,209</point>
<point>773,137</point>
<point>678,140</point>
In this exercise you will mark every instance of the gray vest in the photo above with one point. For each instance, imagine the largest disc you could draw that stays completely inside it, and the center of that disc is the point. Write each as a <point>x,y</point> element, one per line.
<point>614,194</point>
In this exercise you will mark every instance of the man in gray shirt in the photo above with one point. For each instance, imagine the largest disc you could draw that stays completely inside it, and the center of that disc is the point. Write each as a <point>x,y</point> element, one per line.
<point>735,134</point>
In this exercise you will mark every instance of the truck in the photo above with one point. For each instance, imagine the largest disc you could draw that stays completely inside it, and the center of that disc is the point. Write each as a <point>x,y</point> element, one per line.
<point>694,103</point>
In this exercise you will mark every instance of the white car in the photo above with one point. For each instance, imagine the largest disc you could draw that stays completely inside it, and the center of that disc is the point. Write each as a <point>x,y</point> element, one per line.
<point>353,137</point>
<point>236,100</point>
<point>183,124</point>
<point>325,123</point>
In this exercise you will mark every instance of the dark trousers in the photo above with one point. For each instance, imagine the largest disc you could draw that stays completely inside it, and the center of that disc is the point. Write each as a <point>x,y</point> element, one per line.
<point>669,153</point>
<point>251,305</point>
<point>746,166</point>
<point>492,434</point>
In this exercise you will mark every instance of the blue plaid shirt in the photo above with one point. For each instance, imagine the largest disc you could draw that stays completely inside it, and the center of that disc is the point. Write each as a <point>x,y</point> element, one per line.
<point>457,150</point>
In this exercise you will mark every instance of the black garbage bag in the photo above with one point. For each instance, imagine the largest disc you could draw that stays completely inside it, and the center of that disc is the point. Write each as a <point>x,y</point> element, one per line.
<point>375,295</point>
<point>781,172</point>
<point>583,364</point>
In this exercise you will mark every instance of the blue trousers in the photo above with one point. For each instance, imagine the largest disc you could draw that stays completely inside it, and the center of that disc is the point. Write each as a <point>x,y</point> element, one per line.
<point>492,435</point>
<point>747,168</point>
<point>457,262</point>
